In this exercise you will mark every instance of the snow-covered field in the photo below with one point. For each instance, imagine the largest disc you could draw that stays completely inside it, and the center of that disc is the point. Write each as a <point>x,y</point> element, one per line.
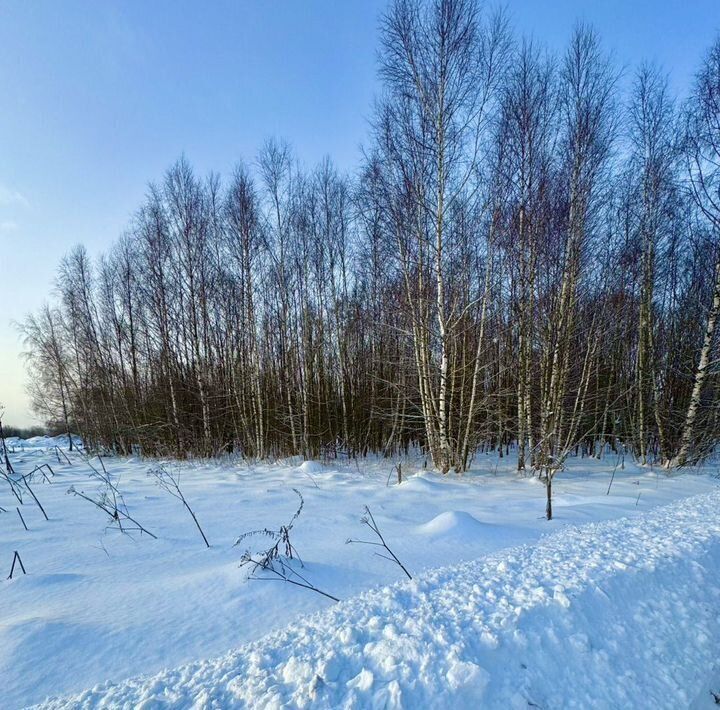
<point>615,603</point>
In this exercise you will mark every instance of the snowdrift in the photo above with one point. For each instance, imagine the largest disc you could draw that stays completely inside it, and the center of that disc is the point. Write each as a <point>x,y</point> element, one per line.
<point>42,443</point>
<point>623,613</point>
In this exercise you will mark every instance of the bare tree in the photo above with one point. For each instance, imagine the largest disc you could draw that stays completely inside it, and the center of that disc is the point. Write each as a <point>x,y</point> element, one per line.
<point>703,150</point>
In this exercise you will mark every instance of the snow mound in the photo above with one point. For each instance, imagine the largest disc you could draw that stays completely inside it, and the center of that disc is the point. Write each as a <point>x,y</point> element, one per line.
<point>310,467</point>
<point>422,483</point>
<point>455,523</point>
<point>544,625</point>
<point>41,442</point>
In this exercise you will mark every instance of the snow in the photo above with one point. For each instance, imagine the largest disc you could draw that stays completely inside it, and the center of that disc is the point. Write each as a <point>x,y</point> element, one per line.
<point>614,600</point>
<point>310,467</point>
<point>40,443</point>
<point>456,523</point>
<point>559,624</point>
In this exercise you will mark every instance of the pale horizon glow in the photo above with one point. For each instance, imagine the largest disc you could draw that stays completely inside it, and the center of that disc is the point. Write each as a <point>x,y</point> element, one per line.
<point>100,98</point>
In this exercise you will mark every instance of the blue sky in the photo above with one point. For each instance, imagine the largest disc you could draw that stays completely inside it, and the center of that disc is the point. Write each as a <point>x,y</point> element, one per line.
<point>99,97</point>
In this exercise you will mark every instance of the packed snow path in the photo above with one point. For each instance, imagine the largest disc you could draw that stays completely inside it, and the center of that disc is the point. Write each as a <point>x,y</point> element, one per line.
<point>623,613</point>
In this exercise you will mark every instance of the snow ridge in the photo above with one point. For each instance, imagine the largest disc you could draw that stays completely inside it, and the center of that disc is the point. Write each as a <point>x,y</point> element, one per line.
<point>624,613</point>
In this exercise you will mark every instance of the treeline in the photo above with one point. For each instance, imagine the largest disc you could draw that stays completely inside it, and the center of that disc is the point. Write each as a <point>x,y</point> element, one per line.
<point>526,258</point>
<point>28,432</point>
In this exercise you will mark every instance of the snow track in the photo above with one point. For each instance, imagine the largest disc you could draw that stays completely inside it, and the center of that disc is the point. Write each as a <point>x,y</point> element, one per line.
<point>623,613</point>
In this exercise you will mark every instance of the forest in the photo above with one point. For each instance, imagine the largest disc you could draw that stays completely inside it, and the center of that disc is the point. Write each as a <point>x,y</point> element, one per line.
<point>526,260</point>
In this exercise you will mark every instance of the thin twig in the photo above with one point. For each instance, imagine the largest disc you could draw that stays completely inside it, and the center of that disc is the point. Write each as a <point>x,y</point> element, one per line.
<point>21,518</point>
<point>116,514</point>
<point>39,504</point>
<point>171,483</point>
<point>369,520</point>
<point>16,557</point>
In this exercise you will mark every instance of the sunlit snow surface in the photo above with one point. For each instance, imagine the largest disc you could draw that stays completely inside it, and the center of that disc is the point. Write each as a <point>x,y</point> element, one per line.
<point>505,608</point>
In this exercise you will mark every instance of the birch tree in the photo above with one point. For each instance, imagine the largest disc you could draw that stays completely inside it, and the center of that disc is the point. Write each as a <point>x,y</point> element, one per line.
<point>703,150</point>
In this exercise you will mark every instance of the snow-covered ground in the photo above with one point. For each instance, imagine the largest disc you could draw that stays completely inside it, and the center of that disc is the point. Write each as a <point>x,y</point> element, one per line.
<point>505,608</point>
<point>43,443</point>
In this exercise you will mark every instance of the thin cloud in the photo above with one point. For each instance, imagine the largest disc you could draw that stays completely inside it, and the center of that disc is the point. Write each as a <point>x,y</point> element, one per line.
<point>8,225</point>
<point>9,196</point>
